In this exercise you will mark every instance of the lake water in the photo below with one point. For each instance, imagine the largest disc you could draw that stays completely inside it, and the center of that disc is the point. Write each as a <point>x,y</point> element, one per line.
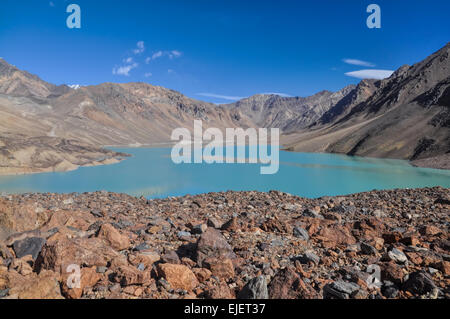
<point>150,172</point>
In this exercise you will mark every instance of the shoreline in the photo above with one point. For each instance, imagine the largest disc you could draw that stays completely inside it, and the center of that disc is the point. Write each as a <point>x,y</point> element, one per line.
<point>441,162</point>
<point>217,245</point>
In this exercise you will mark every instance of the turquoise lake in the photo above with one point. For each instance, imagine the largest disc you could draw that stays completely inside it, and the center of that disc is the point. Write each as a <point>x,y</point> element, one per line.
<point>150,172</point>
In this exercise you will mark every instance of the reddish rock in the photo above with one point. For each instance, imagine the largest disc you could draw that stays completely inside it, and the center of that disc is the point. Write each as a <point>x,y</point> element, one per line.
<point>213,244</point>
<point>287,284</point>
<point>202,274</point>
<point>79,251</point>
<point>335,235</point>
<point>115,239</point>
<point>129,275</point>
<point>221,268</point>
<point>222,291</point>
<point>89,277</point>
<point>178,276</point>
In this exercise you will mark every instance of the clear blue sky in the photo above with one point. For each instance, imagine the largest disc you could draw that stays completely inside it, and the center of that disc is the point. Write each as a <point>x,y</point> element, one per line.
<point>233,48</point>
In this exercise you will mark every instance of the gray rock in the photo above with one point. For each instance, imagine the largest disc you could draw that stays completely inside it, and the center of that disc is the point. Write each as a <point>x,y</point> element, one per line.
<point>183,234</point>
<point>4,292</point>
<point>199,229</point>
<point>28,246</point>
<point>309,256</point>
<point>311,213</point>
<point>397,255</point>
<point>340,290</point>
<point>141,247</point>
<point>255,289</point>
<point>368,249</point>
<point>101,269</point>
<point>419,283</point>
<point>301,233</point>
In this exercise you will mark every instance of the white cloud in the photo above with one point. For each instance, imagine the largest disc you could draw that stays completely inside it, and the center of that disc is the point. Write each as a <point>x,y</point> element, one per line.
<point>125,69</point>
<point>174,54</point>
<point>170,71</point>
<point>148,74</point>
<point>219,96</point>
<point>140,47</point>
<point>358,62</point>
<point>159,54</point>
<point>128,60</point>
<point>370,74</point>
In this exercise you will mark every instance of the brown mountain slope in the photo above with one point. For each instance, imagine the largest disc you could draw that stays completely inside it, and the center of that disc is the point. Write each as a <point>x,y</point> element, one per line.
<point>287,113</point>
<point>406,117</point>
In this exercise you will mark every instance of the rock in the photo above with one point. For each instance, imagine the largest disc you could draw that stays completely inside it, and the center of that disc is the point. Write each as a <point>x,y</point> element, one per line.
<point>171,257</point>
<point>230,225</point>
<point>89,277</point>
<point>222,291</point>
<point>419,283</point>
<point>309,257</point>
<point>145,258</point>
<point>183,235</point>
<point>368,249</point>
<point>256,288</point>
<point>213,244</point>
<point>128,275</point>
<point>430,230</point>
<point>178,276</point>
<point>392,272</point>
<point>287,284</point>
<point>397,255</point>
<point>444,266</point>
<point>301,233</point>
<point>340,290</point>
<point>378,213</point>
<point>141,247</point>
<point>29,246</point>
<point>59,255</point>
<point>389,290</point>
<point>311,213</point>
<point>113,237</point>
<point>214,223</point>
<point>199,229</point>
<point>335,235</point>
<point>43,286</point>
<point>220,267</point>
<point>202,274</point>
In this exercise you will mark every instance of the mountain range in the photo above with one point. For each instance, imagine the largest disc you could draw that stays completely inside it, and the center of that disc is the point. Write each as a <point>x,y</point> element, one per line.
<point>45,127</point>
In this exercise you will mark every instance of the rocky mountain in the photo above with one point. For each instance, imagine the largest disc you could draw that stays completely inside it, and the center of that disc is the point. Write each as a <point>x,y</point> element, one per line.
<point>16,82</point>
<point>287,113</point>
<point>407,116</point>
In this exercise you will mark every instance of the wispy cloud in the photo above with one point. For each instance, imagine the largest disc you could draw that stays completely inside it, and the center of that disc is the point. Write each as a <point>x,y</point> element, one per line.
<point>358,62</point>
<point>125,69</point>
<point>148,74</point>
<point>51,4</point>
<point>223,97</point>
<point>159,54</point>
<point>140,47</point>
<point>370,74</point>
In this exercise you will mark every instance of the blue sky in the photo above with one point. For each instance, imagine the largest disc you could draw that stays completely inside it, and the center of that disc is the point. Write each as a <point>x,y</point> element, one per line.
<point>219,51</point>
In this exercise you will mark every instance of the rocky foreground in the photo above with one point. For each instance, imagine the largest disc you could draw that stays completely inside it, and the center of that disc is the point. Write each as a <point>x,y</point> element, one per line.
<point>226,245</point>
